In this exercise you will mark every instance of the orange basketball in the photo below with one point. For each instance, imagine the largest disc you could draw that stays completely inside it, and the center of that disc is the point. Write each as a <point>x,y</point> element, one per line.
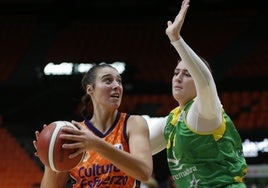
<point>50,151</point>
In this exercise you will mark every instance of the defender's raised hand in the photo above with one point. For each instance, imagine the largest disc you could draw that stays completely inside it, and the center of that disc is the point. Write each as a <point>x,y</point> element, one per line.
<point>174,28</point>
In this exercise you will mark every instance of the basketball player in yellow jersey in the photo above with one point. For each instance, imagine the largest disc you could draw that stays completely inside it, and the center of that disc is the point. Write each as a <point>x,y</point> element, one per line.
<point>204,149</point>
<point>117,144</point>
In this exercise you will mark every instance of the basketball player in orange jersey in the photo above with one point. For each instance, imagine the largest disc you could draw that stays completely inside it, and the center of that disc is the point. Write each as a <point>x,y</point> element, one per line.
<point>117,144</point>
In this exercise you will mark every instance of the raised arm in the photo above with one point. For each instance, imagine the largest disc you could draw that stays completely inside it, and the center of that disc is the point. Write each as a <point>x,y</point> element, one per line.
<point>207,106</point>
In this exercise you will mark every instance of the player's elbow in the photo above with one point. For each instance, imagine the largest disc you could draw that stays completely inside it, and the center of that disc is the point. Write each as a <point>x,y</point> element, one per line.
<point>146,174</point>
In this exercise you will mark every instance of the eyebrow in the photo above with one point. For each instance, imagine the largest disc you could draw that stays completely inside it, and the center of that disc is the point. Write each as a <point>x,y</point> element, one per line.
<point>110,75</point>
<point>185,70</point>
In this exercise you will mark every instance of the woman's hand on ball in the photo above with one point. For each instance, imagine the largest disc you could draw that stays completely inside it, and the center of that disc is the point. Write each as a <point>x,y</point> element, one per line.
<point>81,138</point>
<point>34,143</point>
<point>36,138</point>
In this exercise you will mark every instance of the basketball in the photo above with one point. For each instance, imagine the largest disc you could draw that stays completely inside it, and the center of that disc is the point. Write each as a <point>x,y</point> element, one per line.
<point>50,151</point>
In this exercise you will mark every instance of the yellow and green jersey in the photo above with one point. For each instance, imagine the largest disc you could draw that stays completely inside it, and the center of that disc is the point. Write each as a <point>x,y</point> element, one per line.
<point>204,160</point>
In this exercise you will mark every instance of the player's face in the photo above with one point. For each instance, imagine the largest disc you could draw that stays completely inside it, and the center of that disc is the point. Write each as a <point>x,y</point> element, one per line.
<point>183,87</point>
<point>108,88</point>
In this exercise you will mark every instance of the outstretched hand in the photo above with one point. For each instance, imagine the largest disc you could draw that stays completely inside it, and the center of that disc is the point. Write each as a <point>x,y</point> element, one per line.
<point>174,28</point>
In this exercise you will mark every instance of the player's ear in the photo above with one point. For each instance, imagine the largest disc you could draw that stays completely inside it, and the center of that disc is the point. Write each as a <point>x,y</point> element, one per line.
<point>89,89</point>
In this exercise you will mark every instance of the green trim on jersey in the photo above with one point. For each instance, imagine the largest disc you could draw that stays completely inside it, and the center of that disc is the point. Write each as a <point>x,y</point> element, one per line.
<point>213,159</point>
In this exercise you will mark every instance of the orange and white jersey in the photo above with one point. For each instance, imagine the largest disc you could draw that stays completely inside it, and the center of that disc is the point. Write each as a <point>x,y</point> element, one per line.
<point>95,170</point>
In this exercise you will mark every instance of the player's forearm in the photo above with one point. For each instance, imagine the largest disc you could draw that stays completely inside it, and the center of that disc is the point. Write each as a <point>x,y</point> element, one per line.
<point>53,179</point>
<point>137,167</point>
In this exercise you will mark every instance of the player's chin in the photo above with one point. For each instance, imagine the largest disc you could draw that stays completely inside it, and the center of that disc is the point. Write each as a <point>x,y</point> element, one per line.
<point>115,104</point>
<point>176,92</point>
<point>176,95</point>
<point>116,101</point>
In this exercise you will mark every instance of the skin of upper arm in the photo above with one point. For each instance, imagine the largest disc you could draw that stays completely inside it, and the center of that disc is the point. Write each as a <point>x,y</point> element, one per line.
<point>139,143</point>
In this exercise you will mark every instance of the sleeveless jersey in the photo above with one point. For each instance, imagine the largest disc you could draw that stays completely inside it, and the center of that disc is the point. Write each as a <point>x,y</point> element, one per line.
<point>204,160</point>
<point>95,170</point>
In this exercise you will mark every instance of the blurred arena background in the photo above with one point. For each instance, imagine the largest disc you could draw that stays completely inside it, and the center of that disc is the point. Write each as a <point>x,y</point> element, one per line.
<point>230,34</point>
